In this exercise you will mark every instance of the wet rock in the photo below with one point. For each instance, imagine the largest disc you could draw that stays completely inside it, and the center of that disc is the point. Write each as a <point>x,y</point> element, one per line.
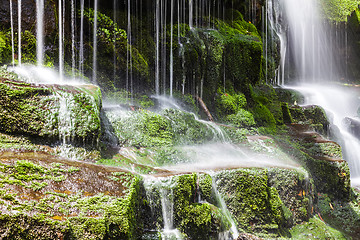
<point>51,112</point>
<point>247,236</point>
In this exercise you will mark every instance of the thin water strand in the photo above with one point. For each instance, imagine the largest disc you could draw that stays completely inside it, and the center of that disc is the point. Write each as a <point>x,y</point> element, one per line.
<point>40,32</point>
<point>94,77</point>
<point>12,34</point>
<point>19,32</point>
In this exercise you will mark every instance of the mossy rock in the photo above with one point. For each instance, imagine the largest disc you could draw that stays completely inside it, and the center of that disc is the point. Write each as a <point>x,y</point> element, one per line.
<point>51,112</point>
<point>43,196</point>
<point>255,206</point>
<point>314,116</point>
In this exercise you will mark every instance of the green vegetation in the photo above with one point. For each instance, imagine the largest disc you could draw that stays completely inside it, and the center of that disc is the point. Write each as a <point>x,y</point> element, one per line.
<point>339,10</point>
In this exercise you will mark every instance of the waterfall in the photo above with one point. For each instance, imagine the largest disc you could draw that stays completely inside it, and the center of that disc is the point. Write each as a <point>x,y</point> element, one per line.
<point>309,41</point>
<point>81,57</point>
<point>95,42</point>
<point>274,16</point>
<point>161,188</point>
<point>12,34</point>
<point>233,229</point>
<point>61,52</point>
<point>19,32</point>
<point>311,48</point>
<point>40,32</point>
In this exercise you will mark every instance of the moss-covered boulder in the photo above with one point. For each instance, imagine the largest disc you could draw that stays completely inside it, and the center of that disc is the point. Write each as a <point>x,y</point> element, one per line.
<point>254,204</point>
<point>51,112</point>
<point>45,197</point>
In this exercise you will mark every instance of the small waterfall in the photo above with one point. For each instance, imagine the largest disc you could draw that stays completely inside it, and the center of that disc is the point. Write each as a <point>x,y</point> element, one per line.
<point>61,42</point>
<point>233,233</point>
<point>161,188</point>
<point>19,32</point>
<point>81,57</point>
<point>95,42</point>
<point>12,34</point>
<point>40,32</point>
<point>274,16</point>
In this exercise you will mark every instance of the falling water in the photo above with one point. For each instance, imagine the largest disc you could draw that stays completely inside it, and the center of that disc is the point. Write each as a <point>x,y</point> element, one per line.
<point>157,50</point>
<point>312,46</point>
<point>12,33</point>
<point>81,57</point>
<point>233,229</point>
<point>312,51</point>
<point>73,38</point>
<point>274,13</point>
<point>129,67</point>
<point>95,41</point>
<point>191,20</point>
<point>61,52</point>
<point>171,49</point>
<point>40,32</point>
<point>19,32</point>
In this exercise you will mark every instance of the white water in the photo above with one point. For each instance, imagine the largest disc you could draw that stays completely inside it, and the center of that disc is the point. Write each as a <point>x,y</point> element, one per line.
<point>43,75</point>
<point>164,187</point>
<point>94,80</point>
<point>12,34</point>
<point>233,229</point>
<point>19,32</point>
<point>312,52</point>
<point>40,32</point>
<point>339,103</point>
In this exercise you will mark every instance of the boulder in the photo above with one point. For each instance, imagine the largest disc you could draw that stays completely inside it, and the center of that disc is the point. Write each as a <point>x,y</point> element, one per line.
<point>50,112</point>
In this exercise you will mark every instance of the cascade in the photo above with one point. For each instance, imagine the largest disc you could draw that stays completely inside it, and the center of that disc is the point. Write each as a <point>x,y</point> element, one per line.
<point>12,34</point>
<point>19,32</point>
<point>311,48</point>
<point>81,57</point>
<point>40,32</point>
<point>233,232</point>
<point>161,188</point>
<point>95,41</point>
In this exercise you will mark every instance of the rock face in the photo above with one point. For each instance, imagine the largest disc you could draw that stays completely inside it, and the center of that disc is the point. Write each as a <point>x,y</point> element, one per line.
<point>50,112</point>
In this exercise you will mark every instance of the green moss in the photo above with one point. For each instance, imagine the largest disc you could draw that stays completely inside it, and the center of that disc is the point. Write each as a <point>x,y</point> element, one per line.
<point>339,10</point>
<point>255,206</point>
<point>315,229</point>
<point>242,118</point>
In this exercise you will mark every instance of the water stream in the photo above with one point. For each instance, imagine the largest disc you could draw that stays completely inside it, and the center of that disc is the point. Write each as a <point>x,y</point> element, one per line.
<point>40,32</point>
<point>12,34</point>
<point>19,32</point>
